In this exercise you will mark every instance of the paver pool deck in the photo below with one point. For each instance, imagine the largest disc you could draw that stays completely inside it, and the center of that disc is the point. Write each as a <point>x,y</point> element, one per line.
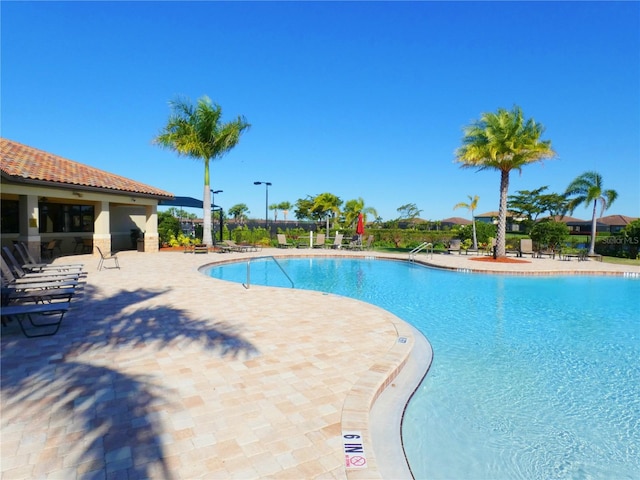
<point>160,372</point>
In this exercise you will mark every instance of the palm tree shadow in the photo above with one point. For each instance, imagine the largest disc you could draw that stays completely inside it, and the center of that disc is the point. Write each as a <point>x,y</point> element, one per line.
<point>112,413</point>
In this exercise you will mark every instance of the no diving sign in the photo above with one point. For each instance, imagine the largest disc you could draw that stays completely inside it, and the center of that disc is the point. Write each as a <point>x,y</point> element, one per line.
<point>354,456</point>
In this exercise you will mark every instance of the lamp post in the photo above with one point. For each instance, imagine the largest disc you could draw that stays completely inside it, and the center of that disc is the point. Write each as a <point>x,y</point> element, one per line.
<point>266,203</point>
<point>213,208</point>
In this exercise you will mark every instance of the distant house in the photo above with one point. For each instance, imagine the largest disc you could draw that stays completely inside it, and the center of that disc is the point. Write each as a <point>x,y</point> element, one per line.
<point>513,221</point>
<point>616,223</point>
<point>579,227</point>
<point>454,221</point>
<point>46,197</point>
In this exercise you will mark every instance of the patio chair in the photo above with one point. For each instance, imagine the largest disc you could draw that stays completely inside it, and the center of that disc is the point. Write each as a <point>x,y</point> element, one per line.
<point>526,247</point>
<point>355,243</point>
<point>369,243</point>
<point>78,245</point>
<point>454,245</point>
<point>113,256</point>
<point>320,239</point>
<point>282,241</point>
<point>337,242</point>
<point>51,247</point>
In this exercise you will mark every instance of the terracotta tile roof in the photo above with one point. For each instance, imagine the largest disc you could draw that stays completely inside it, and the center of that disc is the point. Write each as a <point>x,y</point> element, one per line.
<point>457,221</point>
<point>493,214</point>
<point>566,219</point>
<point>616,220</point>
<point>20,163</point>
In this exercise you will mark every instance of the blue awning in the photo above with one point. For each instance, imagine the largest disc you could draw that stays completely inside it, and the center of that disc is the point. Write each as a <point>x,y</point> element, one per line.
<point>181,202</point>
<point>189,202</point>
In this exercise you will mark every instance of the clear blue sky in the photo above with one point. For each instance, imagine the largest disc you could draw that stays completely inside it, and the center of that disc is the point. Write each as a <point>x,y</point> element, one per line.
<point>360,99</point>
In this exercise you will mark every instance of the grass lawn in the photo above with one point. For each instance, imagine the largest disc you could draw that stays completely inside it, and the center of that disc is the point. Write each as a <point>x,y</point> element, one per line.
<point>621,261</point>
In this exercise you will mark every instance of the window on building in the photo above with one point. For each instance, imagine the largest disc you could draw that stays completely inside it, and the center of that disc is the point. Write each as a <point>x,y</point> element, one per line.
<point>60,217</point>
<point>10,216</point>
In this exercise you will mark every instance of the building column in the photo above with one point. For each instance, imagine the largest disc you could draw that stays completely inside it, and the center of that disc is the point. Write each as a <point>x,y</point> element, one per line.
<point>151,238</point>
<point>102,228</point>
<point>29,220</point>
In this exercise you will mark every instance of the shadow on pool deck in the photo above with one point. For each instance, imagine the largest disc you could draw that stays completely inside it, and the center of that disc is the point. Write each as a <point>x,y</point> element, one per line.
<point>106,419</point>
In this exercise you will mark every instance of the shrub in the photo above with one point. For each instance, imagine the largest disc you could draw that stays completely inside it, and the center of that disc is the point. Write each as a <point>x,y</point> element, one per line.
<point>550,233</point>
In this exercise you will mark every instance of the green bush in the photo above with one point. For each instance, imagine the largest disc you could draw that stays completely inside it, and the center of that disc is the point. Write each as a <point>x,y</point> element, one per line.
<point>484,231</point>
<point>550,234</point>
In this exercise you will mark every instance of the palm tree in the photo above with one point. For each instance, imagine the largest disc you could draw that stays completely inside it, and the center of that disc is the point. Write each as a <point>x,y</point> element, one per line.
<point>326,204</point>
<point>274,207</point>
<point>197,132</point>
<point>239,212</point>
<point>353,208</point>
<point>585,189</point>
<point>503,141</point>
<point>471,206</point>
<point>285,207</point>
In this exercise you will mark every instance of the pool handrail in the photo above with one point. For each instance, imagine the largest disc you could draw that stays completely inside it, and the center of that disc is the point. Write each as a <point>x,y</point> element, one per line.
<point>419,248</point>
<point>248,284</point>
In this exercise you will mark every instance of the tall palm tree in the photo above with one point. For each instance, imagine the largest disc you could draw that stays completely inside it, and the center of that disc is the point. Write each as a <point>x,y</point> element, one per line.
<point>471,206</point>
<point>585,189</point>
<point>197,132</point>
<point>503,141</point>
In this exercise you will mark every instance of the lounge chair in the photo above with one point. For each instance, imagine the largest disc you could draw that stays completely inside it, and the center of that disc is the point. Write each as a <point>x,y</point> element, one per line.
<point>546,252</point>
<point>23,312</point>
<point>526,247</point>
<point>320,239</point>
<point>103,258</point>
<point>282,241</point>
<point>29,263</point>
<point>16,275</point>
<point>232,246</point>
<point>454,245</point>
<point>337,242</point>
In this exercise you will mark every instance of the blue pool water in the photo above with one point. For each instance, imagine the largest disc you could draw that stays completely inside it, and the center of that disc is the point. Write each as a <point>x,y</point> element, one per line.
<point>532,378</point>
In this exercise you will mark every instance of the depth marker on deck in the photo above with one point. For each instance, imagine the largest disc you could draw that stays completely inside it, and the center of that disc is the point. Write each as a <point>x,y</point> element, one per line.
<point>354,456</point>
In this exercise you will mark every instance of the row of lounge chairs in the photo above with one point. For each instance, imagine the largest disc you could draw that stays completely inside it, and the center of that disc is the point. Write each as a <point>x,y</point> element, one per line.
<point>36,295</point>
<point>338,242</point>
<point>525,248</point>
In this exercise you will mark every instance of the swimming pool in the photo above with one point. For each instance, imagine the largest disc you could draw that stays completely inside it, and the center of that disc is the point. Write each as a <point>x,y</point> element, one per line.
<point>532,377</point>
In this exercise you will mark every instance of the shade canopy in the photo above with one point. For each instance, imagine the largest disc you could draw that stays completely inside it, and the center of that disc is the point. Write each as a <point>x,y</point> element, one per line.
<point>182,202</point>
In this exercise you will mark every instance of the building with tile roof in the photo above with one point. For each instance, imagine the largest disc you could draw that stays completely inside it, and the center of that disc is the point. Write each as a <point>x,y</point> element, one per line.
<point>46,197</point>
<point>616,223</point>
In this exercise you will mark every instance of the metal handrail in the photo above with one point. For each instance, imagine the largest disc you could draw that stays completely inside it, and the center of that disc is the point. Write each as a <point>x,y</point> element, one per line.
<point>248,284</point>
<point>419,248</point>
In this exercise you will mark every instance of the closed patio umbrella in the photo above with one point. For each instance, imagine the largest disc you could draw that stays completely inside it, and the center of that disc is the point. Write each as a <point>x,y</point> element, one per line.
<point>360,226</point>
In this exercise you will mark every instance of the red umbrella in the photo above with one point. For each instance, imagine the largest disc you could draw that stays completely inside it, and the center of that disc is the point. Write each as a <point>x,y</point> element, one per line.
<point>360,226</point>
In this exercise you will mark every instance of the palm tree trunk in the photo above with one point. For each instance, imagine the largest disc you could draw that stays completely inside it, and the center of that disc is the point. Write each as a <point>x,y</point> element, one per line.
<point>206,207</point>
<point>592,245</point>
<point>475,238</point>
<point>501,234</point>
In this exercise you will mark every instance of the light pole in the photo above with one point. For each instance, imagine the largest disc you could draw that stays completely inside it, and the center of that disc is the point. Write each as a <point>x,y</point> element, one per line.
<point>213,208</point>
<point>266,203</point>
